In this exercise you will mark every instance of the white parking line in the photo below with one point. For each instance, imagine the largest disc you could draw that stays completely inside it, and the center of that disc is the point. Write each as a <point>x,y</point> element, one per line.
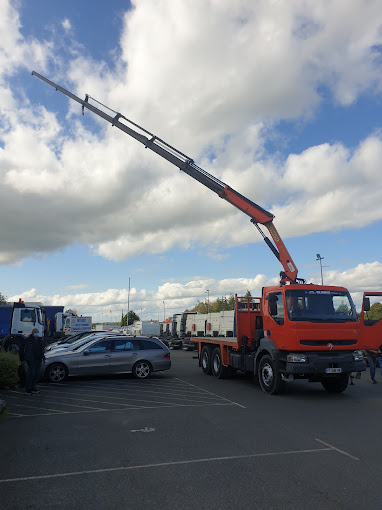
<point>166,464</point>
<point>338,450</point>
<point>128,392</point>
<point>171,406</point>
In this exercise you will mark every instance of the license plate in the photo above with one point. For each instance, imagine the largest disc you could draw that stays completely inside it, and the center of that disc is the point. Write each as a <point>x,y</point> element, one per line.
<point>333,370</point>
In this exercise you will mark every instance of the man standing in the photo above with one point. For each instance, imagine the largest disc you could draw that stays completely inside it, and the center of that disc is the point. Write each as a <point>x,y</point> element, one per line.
<point>33,353</point>
<point>374,360</point>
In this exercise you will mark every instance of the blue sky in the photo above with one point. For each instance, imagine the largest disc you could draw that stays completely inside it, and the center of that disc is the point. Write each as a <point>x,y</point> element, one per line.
<point>283,106</point>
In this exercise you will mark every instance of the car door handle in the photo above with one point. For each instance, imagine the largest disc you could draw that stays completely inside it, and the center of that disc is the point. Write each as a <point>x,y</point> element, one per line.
<point>107,355</point>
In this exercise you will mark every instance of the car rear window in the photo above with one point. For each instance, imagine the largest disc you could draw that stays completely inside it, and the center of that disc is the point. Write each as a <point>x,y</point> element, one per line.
<point>149,344</point>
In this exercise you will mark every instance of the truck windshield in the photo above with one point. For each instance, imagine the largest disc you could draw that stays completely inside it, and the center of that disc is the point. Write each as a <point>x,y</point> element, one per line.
<point>320,306</point>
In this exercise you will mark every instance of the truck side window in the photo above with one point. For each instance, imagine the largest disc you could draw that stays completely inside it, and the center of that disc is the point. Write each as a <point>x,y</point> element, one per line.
<point>275,307</point>
<point>27,316</point>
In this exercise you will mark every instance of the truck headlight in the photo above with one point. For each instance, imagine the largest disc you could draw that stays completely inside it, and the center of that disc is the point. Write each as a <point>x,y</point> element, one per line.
<point>358,356</point>
<point>297,358</point>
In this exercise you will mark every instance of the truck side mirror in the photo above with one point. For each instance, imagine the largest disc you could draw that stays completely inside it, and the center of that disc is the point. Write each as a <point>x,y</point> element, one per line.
<point>366,304</point>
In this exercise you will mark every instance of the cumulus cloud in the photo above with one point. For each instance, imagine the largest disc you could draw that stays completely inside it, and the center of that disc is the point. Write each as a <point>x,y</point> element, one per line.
<point>217,93</point>
<point>179,296</point>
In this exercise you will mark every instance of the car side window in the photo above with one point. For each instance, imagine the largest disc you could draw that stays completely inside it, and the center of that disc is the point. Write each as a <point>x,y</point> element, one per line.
<point>100,346</point>
<point>149,344</point>
<point>119,345</point>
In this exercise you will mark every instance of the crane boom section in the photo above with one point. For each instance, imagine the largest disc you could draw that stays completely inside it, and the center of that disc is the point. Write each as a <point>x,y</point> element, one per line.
<point>187,165</point>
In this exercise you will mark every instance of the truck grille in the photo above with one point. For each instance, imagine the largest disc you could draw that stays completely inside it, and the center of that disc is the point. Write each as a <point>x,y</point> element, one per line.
<point>324,343</point>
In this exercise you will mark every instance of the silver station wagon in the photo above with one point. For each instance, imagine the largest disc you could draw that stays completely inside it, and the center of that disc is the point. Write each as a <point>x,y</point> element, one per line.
<point>108,355</point>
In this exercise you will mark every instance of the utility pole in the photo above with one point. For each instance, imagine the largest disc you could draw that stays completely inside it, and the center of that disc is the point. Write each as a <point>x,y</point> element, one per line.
<point>208,301</point>
<point>320,259</point>
<point>164,311</point>
<point>128,305</point>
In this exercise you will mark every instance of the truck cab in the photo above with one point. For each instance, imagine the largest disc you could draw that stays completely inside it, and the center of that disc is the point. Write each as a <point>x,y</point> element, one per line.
<point>17,322</point>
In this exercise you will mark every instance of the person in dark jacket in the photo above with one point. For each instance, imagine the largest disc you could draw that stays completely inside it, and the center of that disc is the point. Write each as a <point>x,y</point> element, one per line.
<point>33,353</point>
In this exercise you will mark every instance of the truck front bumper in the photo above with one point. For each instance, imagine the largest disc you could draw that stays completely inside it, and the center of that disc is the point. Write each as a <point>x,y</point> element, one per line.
<point>318,363</point>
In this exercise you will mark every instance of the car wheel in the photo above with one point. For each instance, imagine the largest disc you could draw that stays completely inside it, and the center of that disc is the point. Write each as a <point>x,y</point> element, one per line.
<point>56,372</point>
<point>336,385</point>
<point>269,378</point>
<point>206,359</point>
<point>142,369</point>
<point>218,369</point>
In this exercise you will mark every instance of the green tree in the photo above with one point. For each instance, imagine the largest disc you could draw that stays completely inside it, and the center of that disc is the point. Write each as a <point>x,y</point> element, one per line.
<point>2,299</point>
<point>131,317</point>
<point>220,305</point>
<point>375,312</point>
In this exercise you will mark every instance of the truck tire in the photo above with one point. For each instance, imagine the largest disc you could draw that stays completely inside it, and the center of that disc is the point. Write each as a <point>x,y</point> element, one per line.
<point>56,372</point>
<point>269,378</point>
<point>13,343</point>
<point>205,359</point>
<point>336,385</point>
<point>217,367</point>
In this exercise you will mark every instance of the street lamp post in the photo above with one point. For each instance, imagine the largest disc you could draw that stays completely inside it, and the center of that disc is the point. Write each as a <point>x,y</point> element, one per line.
<point>208,301</point>
<point>164,311</point>
<point>320,259</point>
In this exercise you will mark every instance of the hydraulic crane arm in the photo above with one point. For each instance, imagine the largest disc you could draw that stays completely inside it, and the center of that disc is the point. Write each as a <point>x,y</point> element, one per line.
<point>257,214</point>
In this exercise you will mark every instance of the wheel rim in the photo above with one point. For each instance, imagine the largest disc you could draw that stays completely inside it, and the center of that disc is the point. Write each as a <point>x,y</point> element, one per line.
<point>142,370</point>
<point>205,360</point>
<point>267,374</point>
<point>216,363</point>
<point>15,348</point>
<point>57,374</point>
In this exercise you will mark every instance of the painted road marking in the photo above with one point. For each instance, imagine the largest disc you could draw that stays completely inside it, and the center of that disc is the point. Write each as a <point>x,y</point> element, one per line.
<point>113,396</point>
<point>177,463</point>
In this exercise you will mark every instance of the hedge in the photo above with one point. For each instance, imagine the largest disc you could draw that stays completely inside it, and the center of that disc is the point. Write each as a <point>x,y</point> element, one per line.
<point>9,364</point>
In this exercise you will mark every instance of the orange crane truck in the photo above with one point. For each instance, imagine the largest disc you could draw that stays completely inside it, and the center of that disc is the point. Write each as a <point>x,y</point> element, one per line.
<point>294,330</point>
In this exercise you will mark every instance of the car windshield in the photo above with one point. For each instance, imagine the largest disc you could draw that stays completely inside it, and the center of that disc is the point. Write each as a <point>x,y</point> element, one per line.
<point>320,306</point>
<point>74,338</point>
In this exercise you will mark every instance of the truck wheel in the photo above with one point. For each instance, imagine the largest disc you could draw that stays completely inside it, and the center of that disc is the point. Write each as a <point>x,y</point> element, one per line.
<point>336,385</point>
<point>269,378</point>
<point>218,369</point>
<point>206,359</point>
<point>56,372</point>
<point>141,369</point>
<point>12,344</point>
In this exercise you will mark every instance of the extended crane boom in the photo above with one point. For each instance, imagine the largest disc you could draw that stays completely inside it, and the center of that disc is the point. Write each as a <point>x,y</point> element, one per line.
<point>257,214</point>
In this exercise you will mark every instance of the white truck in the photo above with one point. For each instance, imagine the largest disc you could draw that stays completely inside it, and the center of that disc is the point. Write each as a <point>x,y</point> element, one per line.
<point>144,328</point>
<point>69,323</point>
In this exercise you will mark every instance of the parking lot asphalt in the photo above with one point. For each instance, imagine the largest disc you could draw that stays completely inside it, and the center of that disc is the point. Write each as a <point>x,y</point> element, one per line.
<point>183,439</point>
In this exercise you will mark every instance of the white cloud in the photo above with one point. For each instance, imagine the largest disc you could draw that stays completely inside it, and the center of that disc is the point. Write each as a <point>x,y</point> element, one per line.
<point>66,25</point>
<point>181,295</point>
<point>216,93</point>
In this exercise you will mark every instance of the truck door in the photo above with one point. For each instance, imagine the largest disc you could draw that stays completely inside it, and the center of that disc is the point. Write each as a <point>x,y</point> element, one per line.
<point>23,321</point>
<point>370,324</point>
<point>275,323</point>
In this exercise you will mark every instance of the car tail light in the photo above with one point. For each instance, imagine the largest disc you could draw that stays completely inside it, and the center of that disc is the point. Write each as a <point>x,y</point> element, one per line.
<point>166,356</point>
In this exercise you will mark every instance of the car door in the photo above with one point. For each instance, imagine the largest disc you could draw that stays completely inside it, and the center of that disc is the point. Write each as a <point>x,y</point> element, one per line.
<point>95,359</point>
<point>123,355</point>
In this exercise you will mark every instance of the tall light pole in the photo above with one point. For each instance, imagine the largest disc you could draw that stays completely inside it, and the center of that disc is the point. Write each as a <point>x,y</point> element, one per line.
<point>128,305</point>
<point>208,301</point>
<point>164,311</point>
<point>320,259</point>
